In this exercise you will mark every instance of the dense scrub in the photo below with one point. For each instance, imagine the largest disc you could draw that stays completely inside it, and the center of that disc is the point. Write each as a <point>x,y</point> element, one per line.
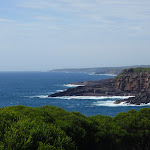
<point>51,128</point>
<point>134,71</point>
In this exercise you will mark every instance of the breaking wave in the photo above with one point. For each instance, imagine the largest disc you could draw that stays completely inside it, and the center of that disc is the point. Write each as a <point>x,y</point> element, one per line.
<point>60,90</point>
<point>112,104</point>
<point>72,85</point>
<point>82,97</point>
<point>93,73</point>
<point>94,97</point>
<point>107,74</point>
<point>38,96</point>
<point>108,101</point>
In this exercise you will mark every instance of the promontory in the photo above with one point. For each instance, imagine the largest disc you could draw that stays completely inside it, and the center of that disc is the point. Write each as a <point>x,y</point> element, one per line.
<point>130,82</point>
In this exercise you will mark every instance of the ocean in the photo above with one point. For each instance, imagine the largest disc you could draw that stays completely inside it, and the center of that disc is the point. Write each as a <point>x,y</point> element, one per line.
<point>32,89</point>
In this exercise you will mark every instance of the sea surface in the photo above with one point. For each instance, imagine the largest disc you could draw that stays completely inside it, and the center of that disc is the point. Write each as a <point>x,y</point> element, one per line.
<point>32,89</point>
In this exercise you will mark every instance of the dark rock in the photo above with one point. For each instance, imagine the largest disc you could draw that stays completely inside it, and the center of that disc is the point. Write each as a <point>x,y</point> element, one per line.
<point>141,98</point>
<point>100,88</point>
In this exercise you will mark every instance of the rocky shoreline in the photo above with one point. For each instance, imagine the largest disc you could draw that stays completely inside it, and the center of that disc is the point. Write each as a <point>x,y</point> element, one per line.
<point>93,88</point>
<point>130,82</point>
<point>141,98</point>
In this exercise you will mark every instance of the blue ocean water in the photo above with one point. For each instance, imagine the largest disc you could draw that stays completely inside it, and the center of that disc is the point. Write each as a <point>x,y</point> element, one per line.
<point>32,88</point>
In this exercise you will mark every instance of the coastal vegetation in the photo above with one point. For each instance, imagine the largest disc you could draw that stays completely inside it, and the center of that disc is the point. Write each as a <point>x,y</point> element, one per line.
<point>51,128</point>
<point>134,71</point>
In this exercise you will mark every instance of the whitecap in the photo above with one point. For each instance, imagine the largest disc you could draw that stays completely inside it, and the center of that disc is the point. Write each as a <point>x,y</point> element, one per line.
<point>38,96</point>
<point>94,97</point>
<point>72,85</point>
<point>107,74</point>
<point>94,73</point>
<point>60,90</point>
<point>112,104</point>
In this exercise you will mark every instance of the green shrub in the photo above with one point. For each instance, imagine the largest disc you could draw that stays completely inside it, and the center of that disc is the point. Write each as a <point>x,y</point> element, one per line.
<point>51,128</point>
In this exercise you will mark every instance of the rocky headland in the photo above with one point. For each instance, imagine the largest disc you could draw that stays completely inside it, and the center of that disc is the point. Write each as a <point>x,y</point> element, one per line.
<point>130,82</point>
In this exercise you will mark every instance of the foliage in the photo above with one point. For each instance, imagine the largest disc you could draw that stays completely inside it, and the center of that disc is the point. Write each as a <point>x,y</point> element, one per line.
<point>137,71</point>
<point>51,128</point>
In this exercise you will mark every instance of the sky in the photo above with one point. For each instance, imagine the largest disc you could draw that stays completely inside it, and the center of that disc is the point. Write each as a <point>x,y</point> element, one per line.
<point>40,35</point>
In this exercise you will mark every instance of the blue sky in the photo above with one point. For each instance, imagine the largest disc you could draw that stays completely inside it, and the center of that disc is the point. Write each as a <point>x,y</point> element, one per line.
<point>49,34</point>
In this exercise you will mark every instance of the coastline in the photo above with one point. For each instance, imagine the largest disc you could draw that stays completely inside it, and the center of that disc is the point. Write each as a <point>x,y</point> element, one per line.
<point>130,82</point>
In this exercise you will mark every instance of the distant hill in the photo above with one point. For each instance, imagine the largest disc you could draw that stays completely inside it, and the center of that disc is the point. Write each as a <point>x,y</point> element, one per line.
<point>99,70</point>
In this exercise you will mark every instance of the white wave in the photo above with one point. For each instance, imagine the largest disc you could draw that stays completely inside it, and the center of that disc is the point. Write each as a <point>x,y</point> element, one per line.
<point>107,74</point>
<point>38,96</point>
<point>112,104</point>
<point>94,73</point>
<point>60,90</point>
<point>94,97</point>
<point>72,85</point>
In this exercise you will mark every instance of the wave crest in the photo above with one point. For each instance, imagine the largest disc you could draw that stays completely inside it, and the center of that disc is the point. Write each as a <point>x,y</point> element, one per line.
<point>112,104</point>
<point>38,96</point>
<point>94,97</point>
<point>72,85</point>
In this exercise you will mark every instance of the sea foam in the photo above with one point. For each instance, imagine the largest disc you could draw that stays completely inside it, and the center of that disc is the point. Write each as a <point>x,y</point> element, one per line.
<point>94,97</point>
<point>112,104</point>
<point>84,97</point>
<point>72,85</point>
<point>108,101</point>
<point>102,74</point>
<point>60,90</point>
<point>108,74</point>
<point>38,96</point>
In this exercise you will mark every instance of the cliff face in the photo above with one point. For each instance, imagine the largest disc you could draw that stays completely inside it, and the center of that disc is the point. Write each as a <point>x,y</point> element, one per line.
<point>133,82</point>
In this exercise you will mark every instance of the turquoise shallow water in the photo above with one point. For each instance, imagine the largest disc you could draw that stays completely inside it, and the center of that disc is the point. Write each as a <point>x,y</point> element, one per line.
<point>32,88</point>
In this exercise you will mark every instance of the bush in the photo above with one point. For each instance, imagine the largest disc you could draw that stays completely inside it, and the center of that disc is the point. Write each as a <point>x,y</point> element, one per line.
<point>51,128</point>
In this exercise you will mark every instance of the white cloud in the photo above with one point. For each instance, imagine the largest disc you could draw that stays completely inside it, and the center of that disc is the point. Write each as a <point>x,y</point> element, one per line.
<point>136,28</point>
<point>83,15</point>
<point>89,27</point>
<point>38,4</point>
<point>5,20</point>
<point>46,18</point>
<point>99,8</point>
<point>135,31</point>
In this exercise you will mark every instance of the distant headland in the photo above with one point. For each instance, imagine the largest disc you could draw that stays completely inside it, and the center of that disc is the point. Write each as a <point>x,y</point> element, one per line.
<point>134,82</point>
<point>100,70</point>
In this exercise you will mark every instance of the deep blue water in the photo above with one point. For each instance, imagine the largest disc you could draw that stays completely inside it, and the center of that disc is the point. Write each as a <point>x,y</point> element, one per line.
<point>32,88</point>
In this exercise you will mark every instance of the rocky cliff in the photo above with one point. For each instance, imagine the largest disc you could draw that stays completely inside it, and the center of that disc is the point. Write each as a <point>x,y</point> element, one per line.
<point>133,80</point>
<point>130,82</point>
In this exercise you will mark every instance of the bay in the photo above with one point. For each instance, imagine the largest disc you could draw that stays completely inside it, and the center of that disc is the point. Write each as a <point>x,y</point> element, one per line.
<point>32,89</point>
